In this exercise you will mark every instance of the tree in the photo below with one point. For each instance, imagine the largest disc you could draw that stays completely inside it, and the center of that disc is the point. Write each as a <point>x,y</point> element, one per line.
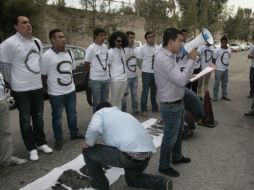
<point>157,14</point>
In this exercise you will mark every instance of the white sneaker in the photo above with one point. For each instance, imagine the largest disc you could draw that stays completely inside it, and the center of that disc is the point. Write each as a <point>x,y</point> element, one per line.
<point>33,155</point>
<point>14,161</point>
<point>45,148</point>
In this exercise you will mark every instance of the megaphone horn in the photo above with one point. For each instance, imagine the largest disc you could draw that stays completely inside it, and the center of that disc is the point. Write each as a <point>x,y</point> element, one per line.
<point>203,38</point>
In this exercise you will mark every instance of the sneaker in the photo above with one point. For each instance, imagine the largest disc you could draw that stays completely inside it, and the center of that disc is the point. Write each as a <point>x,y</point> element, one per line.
<point>45,148</point>
<point>183,160</point>
<point>78,136</point>
<point>169,185</point>
<point>170,172</point>
<point>33,155</point>
<point>59,144</point>
<point>14,161</point>
<point>144,114</point>
<point>226,98</point>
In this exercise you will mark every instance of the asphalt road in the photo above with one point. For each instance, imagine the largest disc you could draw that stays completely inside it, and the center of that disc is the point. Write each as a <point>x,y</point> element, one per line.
<point>222,157</point>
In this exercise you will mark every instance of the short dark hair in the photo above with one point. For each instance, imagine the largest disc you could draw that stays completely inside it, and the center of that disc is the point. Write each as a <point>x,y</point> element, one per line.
<point>113,37</point>
<point>97,31</point>
<point>103,105</point>
<point>170,34</point>
<point>52,33</point>
<point>130,33</point>
<point>148,33</point>
<point>224,38</point>
<point>184,30</point>
<point>15,19</point>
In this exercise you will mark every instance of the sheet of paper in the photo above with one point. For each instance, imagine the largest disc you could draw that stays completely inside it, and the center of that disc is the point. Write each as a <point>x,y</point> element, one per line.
<point>202,73</point>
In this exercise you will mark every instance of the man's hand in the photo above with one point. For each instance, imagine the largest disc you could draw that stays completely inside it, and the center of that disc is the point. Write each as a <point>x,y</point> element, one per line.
<point>193,54</point>
<point>84,145</point>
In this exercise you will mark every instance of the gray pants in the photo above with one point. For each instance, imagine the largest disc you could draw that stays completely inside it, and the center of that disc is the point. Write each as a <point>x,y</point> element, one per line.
<point>6,148</point>
<point>220,76</point>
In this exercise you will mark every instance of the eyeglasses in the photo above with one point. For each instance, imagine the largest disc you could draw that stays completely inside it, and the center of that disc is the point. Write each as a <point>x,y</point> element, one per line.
<point>119,41</point>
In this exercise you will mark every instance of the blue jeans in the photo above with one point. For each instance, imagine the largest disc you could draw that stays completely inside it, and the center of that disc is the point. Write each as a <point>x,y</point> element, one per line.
<point>148,82</point>
<point>100,91</point>
<point>30,105</point>
<point>193,104</point>
<point>173,117</point>
<point>132,83</point>
<point>220,76</point>
<point>251,77</point>
<point>99,155</point>
<point>58,103</point>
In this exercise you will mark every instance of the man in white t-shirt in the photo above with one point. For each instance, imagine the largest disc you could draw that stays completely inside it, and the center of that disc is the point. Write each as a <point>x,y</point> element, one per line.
<point>96,62</point>
<point>206,58</point>
<point>147,54</point>
<point>221,59</point>
<point>21,53</point>
<point>131,53</point>
<point>56,66</point>
<point>117,67</point>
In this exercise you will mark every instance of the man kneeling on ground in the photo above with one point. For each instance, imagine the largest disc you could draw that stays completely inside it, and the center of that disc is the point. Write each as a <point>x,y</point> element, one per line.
<point>126,145</point>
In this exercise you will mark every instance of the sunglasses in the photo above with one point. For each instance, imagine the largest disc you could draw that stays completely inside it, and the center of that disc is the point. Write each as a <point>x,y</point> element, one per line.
<point>119,41</point>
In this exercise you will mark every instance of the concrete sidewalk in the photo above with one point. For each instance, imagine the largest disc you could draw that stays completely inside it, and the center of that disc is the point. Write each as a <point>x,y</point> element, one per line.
<point>222,157</point>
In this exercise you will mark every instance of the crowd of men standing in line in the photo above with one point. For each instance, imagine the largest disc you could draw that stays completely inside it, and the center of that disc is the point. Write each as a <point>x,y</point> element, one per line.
<point>166,70</point>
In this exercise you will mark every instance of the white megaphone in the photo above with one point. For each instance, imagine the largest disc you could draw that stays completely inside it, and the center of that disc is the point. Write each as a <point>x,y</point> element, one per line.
<point>203,38</point>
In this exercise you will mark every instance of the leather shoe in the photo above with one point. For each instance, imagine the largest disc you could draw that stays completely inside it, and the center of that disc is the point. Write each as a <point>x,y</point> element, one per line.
<point>183,160</point>
<point>78,136</point>
<point>250,113</point>
<point>226,98</point>
<point>170,172</point>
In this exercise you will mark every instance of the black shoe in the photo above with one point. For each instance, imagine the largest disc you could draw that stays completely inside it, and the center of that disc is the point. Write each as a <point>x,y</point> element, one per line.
<point>250,96</point>
<point>250,113</point>
<point>187,134</point>
<point>59,144</point>
<point>78,136</point>
<point>226,98</point>
<point>170,172</point>
<point>183,160</point>
<point>201,98</point>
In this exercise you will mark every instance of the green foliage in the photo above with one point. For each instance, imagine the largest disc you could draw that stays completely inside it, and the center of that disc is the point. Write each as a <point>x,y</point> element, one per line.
<point>12,8</point>
<point>238,27</point>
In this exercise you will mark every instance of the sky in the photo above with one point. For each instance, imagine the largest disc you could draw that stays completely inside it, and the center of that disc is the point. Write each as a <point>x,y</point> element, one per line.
<point>235,3</point>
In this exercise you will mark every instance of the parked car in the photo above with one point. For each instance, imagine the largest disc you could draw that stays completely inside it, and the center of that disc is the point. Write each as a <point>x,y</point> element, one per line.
<point>235,47</point>
<point>78,74</point>
<point>138,44</point>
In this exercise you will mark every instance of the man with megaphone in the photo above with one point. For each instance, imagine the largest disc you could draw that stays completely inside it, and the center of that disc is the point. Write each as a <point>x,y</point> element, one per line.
<point>171,82</point>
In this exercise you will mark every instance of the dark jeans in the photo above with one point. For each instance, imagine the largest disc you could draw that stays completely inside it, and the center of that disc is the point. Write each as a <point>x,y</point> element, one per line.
<point>58,103</point>
<point>251,77</point>
<point>30,104</point>
<point>99,155</point>
<point>148,82</point>
<point>173,117</point>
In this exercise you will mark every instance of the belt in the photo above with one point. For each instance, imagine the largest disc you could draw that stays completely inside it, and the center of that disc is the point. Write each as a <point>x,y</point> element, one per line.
<point>174,102</point>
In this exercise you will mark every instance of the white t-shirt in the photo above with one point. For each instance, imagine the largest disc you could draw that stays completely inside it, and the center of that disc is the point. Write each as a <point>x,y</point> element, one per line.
<point>2,93</point>
<point>222,57</point>
<point>97,56</point>
<point>24,57</point>
<point>116,60</point>
<point>131,54</point>
<point>182,58</point>
<point>58,68</point>
<point>251,52</point>
<point>148,54</point>
<point>206,55</point>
